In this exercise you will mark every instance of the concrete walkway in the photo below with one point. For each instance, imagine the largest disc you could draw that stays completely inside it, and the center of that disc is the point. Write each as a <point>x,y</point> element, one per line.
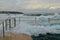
<point>17,37</point>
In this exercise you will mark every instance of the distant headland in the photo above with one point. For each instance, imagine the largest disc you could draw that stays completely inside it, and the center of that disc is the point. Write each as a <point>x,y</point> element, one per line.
<point>10,12</point>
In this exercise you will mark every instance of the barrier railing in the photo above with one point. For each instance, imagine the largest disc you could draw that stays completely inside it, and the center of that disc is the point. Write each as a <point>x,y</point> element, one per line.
<point>13,21</point>
<point>7,24</point>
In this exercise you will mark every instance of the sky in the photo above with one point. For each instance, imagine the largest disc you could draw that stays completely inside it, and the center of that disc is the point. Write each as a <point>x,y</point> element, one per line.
<point>29,5</point>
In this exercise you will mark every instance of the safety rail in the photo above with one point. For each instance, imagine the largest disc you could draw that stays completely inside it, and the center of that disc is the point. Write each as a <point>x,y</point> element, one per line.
<point>7,23</point>
<point>13,21</point>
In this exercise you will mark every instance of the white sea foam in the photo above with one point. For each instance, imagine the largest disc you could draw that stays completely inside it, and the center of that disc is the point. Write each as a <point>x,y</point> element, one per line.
<point>25,27</point>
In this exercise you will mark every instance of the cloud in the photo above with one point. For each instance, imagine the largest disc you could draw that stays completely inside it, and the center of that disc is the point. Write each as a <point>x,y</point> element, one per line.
<point>29,4</point>
<point>54,7</point>
<point>7,4</point>
<point>37,4</point>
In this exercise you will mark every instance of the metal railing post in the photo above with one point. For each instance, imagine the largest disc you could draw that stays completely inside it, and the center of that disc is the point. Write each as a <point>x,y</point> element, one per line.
<point>35,19</point>
<point>9,23</point>
<point>6,24</point>
<point>19,19</point>
<point>3,30</point>
<point>49,20</point>
<point>14,22</point>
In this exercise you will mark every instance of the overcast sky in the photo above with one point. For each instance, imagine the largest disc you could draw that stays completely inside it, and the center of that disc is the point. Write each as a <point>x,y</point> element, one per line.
<point>29,5</point>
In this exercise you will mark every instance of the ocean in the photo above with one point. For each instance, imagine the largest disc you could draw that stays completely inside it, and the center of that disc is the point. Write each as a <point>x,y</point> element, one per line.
<point>32,25</point>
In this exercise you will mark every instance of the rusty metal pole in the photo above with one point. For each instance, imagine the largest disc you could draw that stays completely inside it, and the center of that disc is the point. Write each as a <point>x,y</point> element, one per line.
<point>35,19</point>
<point>14,22</point>
<point>3,30</point>
<point>19,19</point>
<point>9,23</point>
<point>49,20</point>
<point>6,24</point>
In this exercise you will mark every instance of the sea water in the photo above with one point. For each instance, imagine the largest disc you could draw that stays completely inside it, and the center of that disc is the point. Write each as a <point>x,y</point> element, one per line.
<point>31,29</point>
